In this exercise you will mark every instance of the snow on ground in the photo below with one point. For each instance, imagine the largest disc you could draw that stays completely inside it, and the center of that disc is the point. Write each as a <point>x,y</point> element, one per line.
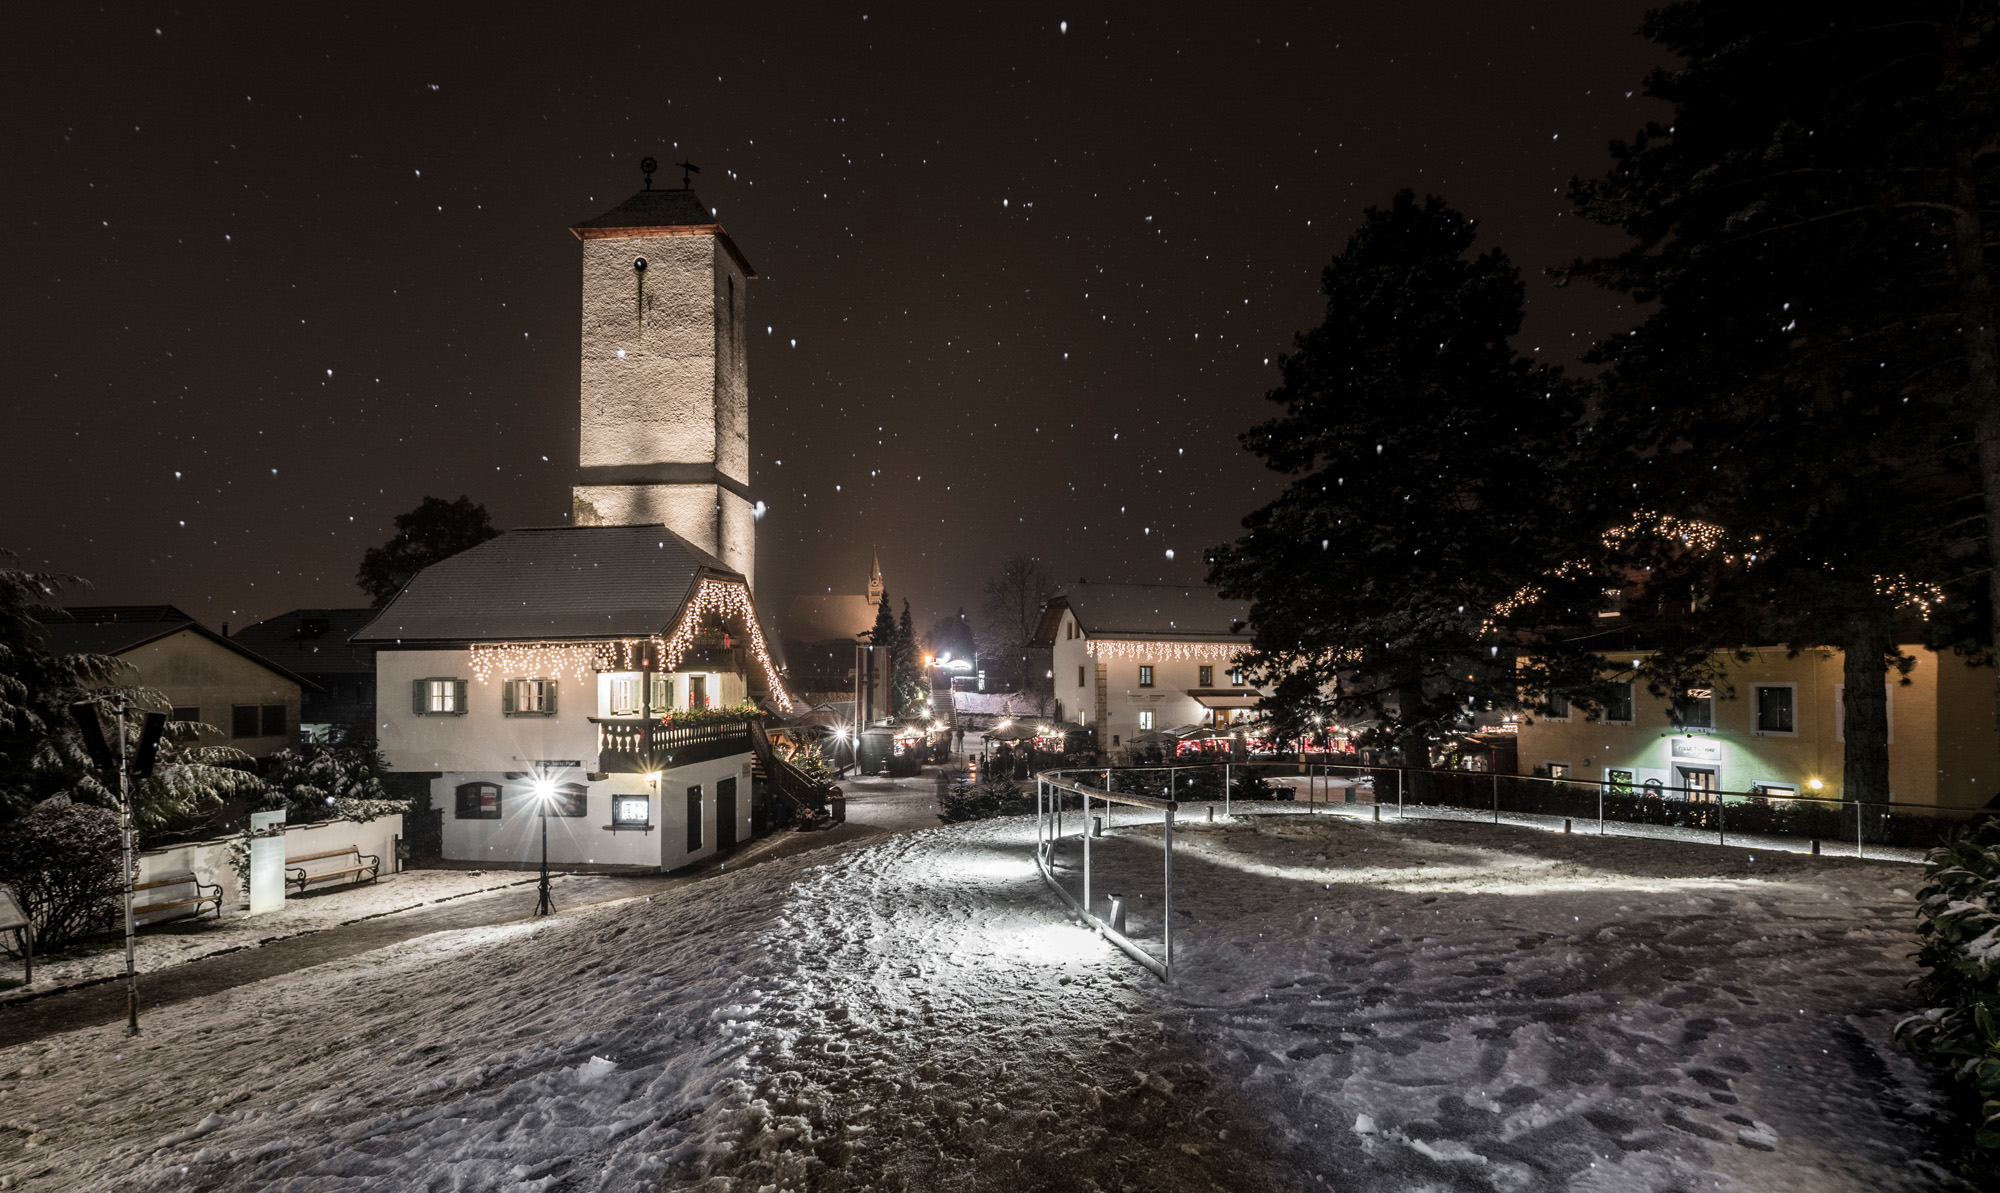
<point>1474,1007</point>
<point>178,941</point>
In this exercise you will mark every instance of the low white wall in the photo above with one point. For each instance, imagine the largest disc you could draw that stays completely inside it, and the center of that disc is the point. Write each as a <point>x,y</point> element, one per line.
<point>209,860</point>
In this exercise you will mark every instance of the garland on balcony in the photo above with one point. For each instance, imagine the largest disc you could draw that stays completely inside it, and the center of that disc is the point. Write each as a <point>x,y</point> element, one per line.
<point>1118,648</point>
<point>583,659</point>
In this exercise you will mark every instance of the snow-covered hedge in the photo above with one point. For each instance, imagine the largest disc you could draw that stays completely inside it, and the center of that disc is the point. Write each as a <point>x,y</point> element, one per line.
<point>1960,928</point>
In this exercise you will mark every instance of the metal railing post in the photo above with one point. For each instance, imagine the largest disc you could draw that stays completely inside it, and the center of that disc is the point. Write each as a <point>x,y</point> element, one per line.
<point>1086,857</point>
<point>1399,793</point>
<point>1600,809</point>
<point>1496,797</point>
<point>1858,850</point>
<point>1167,903</point>
<point>1720,837</point>
<point>1225,781</point>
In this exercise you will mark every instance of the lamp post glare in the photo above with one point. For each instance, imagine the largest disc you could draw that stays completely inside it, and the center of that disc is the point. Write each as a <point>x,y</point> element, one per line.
<point>545,793</point>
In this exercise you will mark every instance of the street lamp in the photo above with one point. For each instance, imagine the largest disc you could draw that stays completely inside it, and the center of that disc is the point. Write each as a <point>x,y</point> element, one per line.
<point>128,767</point>
<point>545,794</point>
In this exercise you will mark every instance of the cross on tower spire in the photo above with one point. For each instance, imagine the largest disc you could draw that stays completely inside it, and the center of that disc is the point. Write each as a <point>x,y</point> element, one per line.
<point>686,169</point>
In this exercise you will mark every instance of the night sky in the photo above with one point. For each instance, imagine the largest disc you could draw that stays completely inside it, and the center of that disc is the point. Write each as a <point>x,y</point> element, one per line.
<point>1024,270</point>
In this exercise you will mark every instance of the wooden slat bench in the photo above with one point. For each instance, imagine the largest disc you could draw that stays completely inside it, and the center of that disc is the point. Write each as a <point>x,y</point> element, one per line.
<point>366,865</point>
<point>204,892</point>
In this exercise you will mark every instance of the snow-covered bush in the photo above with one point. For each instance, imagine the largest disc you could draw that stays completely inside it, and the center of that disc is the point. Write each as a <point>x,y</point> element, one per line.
<point>62,861</point>
<point>322,781</point>
<point>993,796</point>
<point>1959,924</point>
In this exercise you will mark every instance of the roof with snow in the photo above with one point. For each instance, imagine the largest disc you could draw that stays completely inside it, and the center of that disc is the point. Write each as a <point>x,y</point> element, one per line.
<point>550,583</point>
<point>1164,612</point>
<point>312,641</point>
<point>675,212</point>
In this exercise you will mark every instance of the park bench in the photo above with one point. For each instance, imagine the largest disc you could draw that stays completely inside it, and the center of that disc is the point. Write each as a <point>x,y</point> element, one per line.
<point>204,892</point>
<point>365,864</point>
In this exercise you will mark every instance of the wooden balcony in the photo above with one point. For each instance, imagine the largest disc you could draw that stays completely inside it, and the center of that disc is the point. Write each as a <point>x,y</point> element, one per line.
<point>638,745</point>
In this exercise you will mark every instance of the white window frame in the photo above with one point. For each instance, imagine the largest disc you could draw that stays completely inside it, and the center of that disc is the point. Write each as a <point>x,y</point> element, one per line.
<point>1631,704</point>
<point>623,800</point>
<point>633,688</point>
<point>1145,720</point>
<point>544,691</point>
<point>1797,712</point>
<point>441,697</point>
<point>1146,675</point>
<point>1569,711</point>
<point>1550,765</point>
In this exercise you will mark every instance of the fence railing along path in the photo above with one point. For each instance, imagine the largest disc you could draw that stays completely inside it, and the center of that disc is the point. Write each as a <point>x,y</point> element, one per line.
<point>1068,802</point>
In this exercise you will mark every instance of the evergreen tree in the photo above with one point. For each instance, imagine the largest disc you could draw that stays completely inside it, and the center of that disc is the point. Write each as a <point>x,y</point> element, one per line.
<point>436,530</point>
<point>1418,544</point>
<point>1800,393</point>
<point>908,669</point>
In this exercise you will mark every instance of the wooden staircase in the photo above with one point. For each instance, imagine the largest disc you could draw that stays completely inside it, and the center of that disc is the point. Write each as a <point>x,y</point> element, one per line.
<point>809,799</point>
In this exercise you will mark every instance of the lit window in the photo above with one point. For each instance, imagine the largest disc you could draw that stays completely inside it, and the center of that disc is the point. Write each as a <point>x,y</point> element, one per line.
<point>1145,720</point>
<point>1236,676</point>
<point>1556,770</point>
<point>437,697</point>
<point>625,696</point>
<point>478,801</point>
<point>1145,675</point>
<point>631,811</point>
<point>530,697</point>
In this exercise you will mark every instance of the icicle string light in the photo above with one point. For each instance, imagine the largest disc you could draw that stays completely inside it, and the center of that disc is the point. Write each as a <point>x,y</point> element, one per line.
<point>1119,648</point>
<point>583,659</point>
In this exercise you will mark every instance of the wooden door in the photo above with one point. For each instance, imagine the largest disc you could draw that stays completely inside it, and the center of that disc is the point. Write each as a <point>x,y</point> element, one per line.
<point>725,815</point>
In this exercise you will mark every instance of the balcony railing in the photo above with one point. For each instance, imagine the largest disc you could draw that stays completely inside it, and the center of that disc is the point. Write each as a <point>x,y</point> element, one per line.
<point>638,745</point>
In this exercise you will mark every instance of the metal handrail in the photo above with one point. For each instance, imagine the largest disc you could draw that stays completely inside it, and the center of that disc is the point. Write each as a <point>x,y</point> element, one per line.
<point>1048,788</point>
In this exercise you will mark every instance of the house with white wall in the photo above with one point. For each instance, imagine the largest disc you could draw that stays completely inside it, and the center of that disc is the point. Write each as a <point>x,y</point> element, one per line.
<point>1135,658</point>
<point>604,678</point>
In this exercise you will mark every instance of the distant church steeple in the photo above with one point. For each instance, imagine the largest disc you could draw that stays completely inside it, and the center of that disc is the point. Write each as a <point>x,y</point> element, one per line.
<point>665,420</point>
<point>875,586</point>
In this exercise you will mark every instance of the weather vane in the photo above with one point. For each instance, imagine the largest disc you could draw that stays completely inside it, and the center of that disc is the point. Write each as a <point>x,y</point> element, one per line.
<point>648,165</point>
<point>686,169</point>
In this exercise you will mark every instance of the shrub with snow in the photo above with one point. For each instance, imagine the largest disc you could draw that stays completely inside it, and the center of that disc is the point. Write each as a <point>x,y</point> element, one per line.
<point>62,861</point>
<point>1959,924</point>
<point>985,800</point>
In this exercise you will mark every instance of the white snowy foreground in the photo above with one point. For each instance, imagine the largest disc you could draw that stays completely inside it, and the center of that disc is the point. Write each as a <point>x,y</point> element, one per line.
<point>1403,1007</point>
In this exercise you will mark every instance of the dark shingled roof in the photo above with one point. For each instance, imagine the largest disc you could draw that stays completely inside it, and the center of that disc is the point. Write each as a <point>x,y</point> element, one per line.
<point>313,641</point>
<point>655,209</point>
<point>662,213</point>
<point>117,629</point>
<point>1169,612</point>
<point>558,582</point>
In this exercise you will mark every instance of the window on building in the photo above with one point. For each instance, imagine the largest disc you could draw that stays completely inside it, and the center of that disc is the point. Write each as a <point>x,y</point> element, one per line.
<point>1079,675</point>
<point>1236,676</point>
<point>694,818</point>
<point>1774,790</point>
<point>569,799</point>
<point>1207,679</point>
<point>1695,709</point>
<point>625,695</point>
<point>1618,709</point>
<point>1618,780</point>
<point>255,720</point>
<point>271,721</point>
<point>1558,708</point>
<point>1556,770</point>
<point>697,691</point>
<point>1145,720</point>
<point>529,698</point>
<point>1145,675</point>
<point>437,697</point>
<point>479,801</point>
<point>1775,711</point>
<point>243,720</point>
<point>185,712</point>
<point>631,811</point>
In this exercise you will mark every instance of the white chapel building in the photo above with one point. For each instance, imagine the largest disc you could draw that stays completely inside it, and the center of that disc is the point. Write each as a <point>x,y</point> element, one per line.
<point>608,676</point>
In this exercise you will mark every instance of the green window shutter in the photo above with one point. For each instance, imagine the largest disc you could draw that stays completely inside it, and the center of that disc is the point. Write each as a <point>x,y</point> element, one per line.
<point>551,697</point>
<point>417,697</point>
<point>507,696</point>
<point>458,693</point>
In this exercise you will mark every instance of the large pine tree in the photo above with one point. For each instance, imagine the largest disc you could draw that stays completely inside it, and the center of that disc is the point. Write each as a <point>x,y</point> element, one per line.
<point>1399,572</point>
<point>1804,383</point>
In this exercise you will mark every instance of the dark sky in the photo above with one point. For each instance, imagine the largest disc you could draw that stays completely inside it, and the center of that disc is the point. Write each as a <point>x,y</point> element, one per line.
<point>272,274</point>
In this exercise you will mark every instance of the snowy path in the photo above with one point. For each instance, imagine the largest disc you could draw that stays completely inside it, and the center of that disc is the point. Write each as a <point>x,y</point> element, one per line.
<point>1473,1008</point>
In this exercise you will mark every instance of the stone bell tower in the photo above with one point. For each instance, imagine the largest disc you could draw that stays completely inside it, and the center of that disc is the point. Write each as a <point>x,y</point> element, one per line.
<point>665,419</point>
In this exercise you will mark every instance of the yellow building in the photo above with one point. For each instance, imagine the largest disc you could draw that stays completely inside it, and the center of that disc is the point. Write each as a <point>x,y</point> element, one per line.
<point>1774,723</point>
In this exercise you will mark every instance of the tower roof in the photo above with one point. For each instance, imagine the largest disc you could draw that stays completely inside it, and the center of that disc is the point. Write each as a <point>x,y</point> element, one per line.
<point>676,212</point>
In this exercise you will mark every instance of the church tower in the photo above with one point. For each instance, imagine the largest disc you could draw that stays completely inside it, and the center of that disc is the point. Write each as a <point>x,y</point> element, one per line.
<point>665,419</point>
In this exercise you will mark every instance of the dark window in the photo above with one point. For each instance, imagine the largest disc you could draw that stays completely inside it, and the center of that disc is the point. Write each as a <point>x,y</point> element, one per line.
<point>1145,677</point>
<point>1079,675</point>
<point>243,720</point>
<point>569,799</point>
<point>1695,710</point>
<point>1558,707</point>
<point>1207,679</point>
<point>272,721</point>
<point>479,801</point>
<point>186,712</point>
<point>1774,710</point>
<point>697,691</point>
<point>1619,707</point>
<point>1619,781</point>
<point>694,818</point>
<point>631,810</point>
